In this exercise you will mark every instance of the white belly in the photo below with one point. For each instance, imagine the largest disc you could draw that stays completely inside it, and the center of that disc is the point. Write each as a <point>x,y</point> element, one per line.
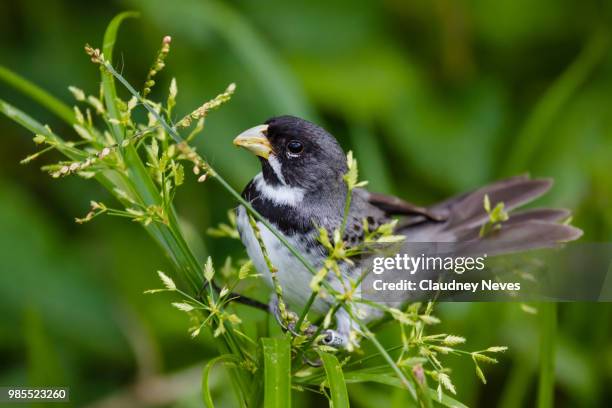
<point>293,277</point>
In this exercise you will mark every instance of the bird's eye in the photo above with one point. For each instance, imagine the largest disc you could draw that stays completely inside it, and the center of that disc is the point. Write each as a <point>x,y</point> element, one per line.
<point>295,147</point>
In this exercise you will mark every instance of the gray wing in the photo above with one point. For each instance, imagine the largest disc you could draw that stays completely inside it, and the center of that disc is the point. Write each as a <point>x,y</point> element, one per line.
<point>392,205</point>
<point>362,209</point>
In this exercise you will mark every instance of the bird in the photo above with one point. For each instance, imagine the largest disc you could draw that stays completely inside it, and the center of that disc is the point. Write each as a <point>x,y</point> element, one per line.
<point>301,188</point>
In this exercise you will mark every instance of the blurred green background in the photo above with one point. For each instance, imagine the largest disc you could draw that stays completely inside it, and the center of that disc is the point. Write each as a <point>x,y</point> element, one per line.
<point>434,97</point>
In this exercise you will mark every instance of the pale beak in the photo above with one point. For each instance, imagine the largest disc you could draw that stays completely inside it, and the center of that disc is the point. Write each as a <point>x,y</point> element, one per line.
<point>255,141</point>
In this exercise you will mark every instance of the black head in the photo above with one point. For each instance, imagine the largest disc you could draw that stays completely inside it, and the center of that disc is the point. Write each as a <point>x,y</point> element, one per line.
<point>297,153</point>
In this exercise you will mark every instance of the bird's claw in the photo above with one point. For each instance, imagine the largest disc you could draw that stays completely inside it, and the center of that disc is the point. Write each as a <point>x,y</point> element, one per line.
<point>288,323</point>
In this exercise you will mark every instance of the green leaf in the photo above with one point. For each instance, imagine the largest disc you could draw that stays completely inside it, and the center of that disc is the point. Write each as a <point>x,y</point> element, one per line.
<point>226,358</point>
<point>277,372</point>
<point>38,94</point>
<point>24,120</point>
<point>33,126</point>
<point>335,379</point>
<point>108,82</point>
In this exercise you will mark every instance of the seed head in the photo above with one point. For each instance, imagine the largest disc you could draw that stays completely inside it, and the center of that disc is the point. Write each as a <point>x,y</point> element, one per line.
<point>96,56</point>
<point>203,177</point>
<point>105,152</point>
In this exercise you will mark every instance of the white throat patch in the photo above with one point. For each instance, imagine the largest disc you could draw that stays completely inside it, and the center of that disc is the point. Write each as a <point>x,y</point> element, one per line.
<point>276,166</point>
<point>279,194</point>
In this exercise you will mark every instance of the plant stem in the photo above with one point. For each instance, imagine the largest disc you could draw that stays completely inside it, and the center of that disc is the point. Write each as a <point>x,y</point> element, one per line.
<point>347,208</point>
<point>370,336</point>
<point>273,271</point>
<point>306,309</point>
<point>548,327</point>
<point>313,295</point>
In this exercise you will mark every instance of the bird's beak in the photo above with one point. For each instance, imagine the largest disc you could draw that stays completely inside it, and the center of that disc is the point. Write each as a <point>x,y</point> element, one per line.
<point>255,141</point>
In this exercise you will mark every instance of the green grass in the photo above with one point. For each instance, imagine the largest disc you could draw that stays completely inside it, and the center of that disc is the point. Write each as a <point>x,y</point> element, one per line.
<point>335,377</point>
<point>277,372</point>
<point>548,338</point>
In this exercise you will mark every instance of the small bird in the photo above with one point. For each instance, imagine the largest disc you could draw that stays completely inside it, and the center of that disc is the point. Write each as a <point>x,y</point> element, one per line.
<point>301,188</point>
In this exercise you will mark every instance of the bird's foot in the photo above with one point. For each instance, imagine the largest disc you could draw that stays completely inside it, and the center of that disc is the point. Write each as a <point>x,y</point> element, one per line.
<point>288,321</point>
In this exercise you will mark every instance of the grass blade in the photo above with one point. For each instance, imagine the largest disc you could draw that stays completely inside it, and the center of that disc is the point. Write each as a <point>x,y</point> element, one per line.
<point>277,372</point>
<point>108,82</point>
<point>25,120</point>
<point>38,94</point>
<point>548,333</point>
<point>335,379</point>
<point>226,358</point>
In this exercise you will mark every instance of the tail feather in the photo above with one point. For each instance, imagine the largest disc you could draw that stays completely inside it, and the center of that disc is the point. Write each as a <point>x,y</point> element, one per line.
<point>521,236</point>
<point>470,210</point>
<point>524,230</point>
<point>540,214</point>
<point>457,198</point>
